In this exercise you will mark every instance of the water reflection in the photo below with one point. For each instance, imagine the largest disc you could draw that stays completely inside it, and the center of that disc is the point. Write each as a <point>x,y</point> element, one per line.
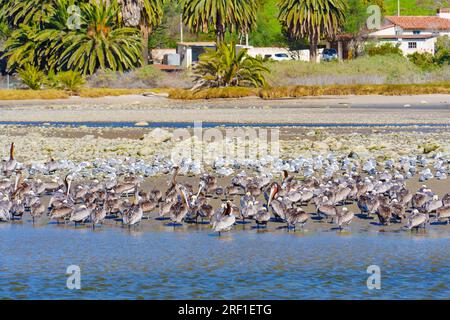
<point>191,262</point>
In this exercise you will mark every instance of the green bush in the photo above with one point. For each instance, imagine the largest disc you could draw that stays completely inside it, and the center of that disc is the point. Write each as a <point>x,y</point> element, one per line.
<point>442,54</point>
<point>384,49</point>
<point>70,80</point>
<point>423,60</point>
<point>32,77</point>
<point>149,75</point>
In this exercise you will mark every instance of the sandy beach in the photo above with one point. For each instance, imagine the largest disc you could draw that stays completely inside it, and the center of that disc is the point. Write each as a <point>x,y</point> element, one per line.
<point>347,109</point>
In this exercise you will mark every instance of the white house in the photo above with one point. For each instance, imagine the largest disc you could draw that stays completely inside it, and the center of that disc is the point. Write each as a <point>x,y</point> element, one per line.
<point>414,33</point>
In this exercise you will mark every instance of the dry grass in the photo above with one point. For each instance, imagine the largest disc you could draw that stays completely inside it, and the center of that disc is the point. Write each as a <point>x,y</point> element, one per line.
<point>240,92</point>
<point>213,93</point>
<point>103,92</point>
<point>341,90</point>
<point>304,91</point>
<point>16,94</point>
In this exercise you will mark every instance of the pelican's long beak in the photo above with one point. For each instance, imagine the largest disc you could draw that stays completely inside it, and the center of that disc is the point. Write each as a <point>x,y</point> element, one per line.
<point>200,189</point>
<point>183,194</point>
<point>11,152</point>
<point>69,183</point>
<point>272,194</point>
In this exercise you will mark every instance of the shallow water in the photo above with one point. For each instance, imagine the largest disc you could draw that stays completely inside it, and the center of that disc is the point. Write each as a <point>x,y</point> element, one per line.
<point>218,124</point>
<point>194,263</point>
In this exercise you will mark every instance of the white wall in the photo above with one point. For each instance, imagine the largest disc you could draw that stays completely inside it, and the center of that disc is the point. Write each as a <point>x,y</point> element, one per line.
<point>158,54</point>
<point>423,45</point>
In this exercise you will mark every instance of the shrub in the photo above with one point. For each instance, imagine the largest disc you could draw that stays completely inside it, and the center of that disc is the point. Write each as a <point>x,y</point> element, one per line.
<point>362,70</point>
<point>148,75</point>
<point>70,80</point>
<point>423,60</point>
<point>374,49</point>
<point>213,93</point>
<point>442,54</point>
<point>103,78</point>
<point>32,77</point>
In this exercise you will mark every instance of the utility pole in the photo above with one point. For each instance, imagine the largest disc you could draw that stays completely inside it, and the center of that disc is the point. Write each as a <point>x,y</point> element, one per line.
<point>181,27</point>
<point>398,8</point>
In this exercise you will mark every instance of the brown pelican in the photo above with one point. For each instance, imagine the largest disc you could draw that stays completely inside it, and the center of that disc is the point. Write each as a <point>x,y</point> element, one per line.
<point>328,210</point>
<point>384,214</point>
<point>134,214</point>
<point>60,196</point>
<point>37,209</point>
<point>296,216</point>
<point>262,216</point>
<point>432,205</point>
<point>5,207</point>
<point>179,209</point>
<point>398,210</point>
<point>446,200</point>
<point>17,209</point>
<point>443,213</point>
<point>231,190</point>
<point>171,190</point>
<point>98,215</point>
<point>125,188</point>
<point>61,213</point>
<point>81,214</point>
<point>419,199</point>
<point>224,219</point>
<point>344,218</point>
<point>417,220</point>
<point>11,164</point>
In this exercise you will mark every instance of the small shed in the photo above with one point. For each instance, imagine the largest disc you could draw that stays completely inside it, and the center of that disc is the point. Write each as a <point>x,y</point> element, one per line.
<point>190,51</point>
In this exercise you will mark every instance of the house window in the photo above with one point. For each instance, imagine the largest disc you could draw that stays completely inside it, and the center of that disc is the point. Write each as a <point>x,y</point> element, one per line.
<point>412,45</point>
<point>416,32</point>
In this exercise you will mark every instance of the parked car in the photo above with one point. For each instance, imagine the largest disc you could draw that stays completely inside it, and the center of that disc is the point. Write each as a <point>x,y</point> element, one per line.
<point>329,54</point>
<point>277,56</point>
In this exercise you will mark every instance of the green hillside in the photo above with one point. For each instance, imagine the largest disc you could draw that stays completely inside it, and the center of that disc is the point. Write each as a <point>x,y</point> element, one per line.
<point>414,7</point>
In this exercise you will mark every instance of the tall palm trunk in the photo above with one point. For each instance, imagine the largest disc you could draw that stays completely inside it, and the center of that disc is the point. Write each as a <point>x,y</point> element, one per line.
<point>313,44</point>
<point>145,54</point>
<point>220,31</point>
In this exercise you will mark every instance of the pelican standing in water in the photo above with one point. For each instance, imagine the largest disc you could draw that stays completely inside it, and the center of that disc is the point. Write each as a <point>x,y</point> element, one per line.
<point>417,220</point>
<point>179,209</point>
<point>443,213</point>
<point>135,213</point>
<point>296,216</point>
<point>344,218</point>
<point>224,219</point>
<point>11,164</point>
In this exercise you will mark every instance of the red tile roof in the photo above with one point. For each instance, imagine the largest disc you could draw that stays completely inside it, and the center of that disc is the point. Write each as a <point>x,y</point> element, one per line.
<point>420,22</point>
<point>407,36</point>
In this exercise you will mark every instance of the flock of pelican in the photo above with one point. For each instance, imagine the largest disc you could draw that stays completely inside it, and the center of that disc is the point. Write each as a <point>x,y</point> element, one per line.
<point>262,198</point>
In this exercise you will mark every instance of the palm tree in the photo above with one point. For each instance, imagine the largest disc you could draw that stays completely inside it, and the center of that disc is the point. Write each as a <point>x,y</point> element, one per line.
<point>313,19</point>
<point>101,42</point>
<point>147,14</point>
<point>220,15</point>
<point>226,67</point>
<point>28,11</point>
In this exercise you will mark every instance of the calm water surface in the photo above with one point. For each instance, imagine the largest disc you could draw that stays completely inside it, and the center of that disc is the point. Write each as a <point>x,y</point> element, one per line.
<point>165,264</point>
